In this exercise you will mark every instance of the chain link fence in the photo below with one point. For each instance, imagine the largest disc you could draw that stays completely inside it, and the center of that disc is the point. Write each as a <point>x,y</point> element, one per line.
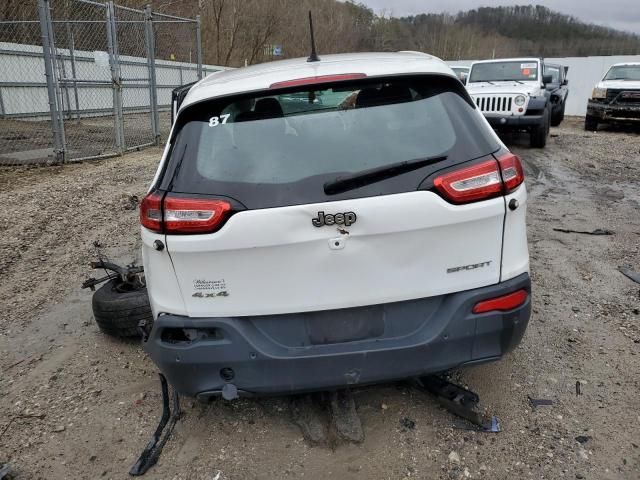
<point>83,79</point>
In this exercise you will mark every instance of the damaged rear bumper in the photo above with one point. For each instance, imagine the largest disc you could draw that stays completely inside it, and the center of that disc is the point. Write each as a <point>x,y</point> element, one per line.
<point>332,349</point>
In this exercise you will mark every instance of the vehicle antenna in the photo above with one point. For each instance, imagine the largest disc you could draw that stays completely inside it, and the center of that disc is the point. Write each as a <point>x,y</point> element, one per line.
<point>314,56</point>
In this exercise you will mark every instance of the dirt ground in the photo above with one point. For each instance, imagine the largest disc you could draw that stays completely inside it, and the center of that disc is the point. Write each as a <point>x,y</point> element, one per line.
<point>77,404</point>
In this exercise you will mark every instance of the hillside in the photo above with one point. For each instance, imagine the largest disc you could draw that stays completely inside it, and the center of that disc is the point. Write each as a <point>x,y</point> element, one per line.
<point>235,32</point>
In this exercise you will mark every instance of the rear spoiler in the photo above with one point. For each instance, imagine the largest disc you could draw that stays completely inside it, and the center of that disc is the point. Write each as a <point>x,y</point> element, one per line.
<point>177,97</point>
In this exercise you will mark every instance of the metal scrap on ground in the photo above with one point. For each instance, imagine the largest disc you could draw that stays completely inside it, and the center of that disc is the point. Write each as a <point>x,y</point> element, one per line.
<point>597,231</point>
<point>627,272</point>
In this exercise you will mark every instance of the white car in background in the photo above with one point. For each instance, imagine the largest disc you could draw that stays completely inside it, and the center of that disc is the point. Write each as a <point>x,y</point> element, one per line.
<point>461,72</point>
<point>616,98</point>
<point>512,95</point>
<point>324,223</point>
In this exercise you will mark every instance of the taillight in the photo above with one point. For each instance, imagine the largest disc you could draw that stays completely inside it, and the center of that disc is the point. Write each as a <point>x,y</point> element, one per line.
<point>182,215</point>
<point>151,212</point>
<point>481,181</point>
<point>512,172</point>
<point>194,215</point>
<point>503,303</point>
<point>478,182</point>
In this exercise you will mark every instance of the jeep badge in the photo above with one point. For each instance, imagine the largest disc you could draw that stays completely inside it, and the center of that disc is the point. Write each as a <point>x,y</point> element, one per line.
<point>346,219</point>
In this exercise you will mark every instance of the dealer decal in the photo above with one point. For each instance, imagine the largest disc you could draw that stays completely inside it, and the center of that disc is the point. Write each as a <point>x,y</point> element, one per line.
<point>209,288</point>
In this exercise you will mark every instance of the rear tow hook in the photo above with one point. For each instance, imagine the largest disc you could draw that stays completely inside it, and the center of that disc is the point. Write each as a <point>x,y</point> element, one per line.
<point>152,451</point>
<point>460,402</point>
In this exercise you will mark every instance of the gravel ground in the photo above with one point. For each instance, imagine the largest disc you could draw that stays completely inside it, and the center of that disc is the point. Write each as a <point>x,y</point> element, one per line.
<point>77,404</point>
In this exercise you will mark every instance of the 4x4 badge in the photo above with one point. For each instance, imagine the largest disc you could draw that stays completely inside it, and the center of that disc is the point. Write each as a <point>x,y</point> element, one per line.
<point>346,219</point>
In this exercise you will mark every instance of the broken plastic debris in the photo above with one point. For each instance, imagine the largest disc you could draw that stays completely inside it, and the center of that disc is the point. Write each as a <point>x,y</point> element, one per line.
<point>627,272</point>
<point>538,402</point>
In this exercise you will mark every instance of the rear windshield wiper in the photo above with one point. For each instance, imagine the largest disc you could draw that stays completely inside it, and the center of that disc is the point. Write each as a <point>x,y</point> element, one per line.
<point>367,177</point>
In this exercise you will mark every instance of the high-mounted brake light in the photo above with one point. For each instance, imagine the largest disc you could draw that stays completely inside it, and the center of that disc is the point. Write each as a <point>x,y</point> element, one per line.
<point>182,215</point>
<point>503,303</point>
<point>318,79</point>
<point>481,181</point>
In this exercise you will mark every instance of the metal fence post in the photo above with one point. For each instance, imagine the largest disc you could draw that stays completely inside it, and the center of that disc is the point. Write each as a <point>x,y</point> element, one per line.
<point>56,127</point>
<point>56,79</point>
<point>72,52</point>
<point>149,37</point>
<point>199,46</point>
<point>114,64</point>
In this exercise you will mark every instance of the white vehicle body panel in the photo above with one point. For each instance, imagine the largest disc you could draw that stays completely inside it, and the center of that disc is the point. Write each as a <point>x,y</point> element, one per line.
<point>515,250</point>
<point>262,76</point>
<point>619,84</point>
<point>276,261</point>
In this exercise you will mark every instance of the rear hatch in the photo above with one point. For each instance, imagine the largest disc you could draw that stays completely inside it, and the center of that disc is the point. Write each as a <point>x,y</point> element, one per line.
<point>332,195</point>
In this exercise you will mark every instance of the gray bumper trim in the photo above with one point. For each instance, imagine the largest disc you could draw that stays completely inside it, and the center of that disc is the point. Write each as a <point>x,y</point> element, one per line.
<point>448,337</point>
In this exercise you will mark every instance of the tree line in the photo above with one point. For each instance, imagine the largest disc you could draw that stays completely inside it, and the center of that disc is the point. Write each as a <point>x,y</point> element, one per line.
<point>236,32</point>
<point>239,32</point>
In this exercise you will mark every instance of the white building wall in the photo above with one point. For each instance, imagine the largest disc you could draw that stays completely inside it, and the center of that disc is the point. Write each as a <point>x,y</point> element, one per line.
<point>17,99</point>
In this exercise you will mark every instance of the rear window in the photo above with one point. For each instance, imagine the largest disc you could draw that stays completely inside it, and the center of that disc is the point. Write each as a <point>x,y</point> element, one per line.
<point>504,71</point>
<point>275,149</point>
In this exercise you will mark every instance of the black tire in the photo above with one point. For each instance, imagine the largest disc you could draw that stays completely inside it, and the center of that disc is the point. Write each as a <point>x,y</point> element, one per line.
<point>590,123</point>
<point>538,135</point>
<point>558,117</point>
<point>117,312</point>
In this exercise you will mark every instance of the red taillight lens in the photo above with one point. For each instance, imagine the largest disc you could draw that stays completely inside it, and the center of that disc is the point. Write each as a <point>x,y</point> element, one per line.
<point>479,182</point>
<point>194,215</point>
<point>151,212</point>
<point>503,303</point>
<point>512,172</point>
<point>319,79</point>
<point>182,215</point>
<point>482,181</point>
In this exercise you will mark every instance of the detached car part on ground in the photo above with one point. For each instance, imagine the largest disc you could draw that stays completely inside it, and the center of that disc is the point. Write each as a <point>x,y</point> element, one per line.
<point>121,303</point>
<point>512,95</point>
<point>616,99</point>
<point>315,225</point>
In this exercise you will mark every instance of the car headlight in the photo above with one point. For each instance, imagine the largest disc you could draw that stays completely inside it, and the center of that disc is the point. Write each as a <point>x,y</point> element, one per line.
<point>599,93</point>
<point>519,100</point>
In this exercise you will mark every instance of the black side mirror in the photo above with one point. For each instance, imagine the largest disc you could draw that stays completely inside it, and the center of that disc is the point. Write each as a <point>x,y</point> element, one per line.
<point>547,79</point>
<point>565,82</point>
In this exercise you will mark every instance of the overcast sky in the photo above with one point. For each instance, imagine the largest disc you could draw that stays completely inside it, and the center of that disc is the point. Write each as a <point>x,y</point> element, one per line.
<point>620,14</point>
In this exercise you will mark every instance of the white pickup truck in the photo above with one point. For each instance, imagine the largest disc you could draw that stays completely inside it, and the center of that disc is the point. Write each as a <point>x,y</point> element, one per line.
<point>511,93</point>
<point>616,98</point>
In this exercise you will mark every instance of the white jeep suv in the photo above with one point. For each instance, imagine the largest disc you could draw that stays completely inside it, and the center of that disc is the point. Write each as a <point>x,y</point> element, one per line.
<point>512,95</point>
<point>314,225</point>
